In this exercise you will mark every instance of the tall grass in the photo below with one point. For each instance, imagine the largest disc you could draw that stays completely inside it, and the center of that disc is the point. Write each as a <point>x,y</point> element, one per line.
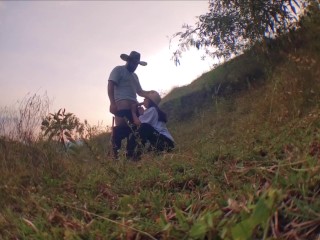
<point>246,166</point>
<point>22,121</point>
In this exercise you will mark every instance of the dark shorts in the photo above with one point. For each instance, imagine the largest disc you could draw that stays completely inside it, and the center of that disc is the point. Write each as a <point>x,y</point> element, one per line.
<point>125,113</point>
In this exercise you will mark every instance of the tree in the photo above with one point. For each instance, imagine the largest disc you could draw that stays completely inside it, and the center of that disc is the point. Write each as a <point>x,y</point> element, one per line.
<point>62,126</point>
<point>232,26</point>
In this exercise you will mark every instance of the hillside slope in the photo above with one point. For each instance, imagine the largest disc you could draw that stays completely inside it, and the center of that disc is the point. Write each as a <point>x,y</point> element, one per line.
<point>255,68</point>
<point>246,163</point>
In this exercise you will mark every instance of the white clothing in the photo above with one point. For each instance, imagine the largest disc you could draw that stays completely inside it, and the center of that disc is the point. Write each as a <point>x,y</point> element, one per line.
<point>151,116</point>
<point>127,84</point>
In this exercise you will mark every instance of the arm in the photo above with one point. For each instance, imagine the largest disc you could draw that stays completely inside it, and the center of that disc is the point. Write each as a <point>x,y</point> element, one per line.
<point>140,110</point>
<point>143,93</point>
<point>113,108</point>
<point>150,116</point>
<point>136,119</point>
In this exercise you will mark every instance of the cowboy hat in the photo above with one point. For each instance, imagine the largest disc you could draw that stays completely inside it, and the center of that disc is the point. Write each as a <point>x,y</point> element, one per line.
<point>134,56</point>
<point>154,96</point>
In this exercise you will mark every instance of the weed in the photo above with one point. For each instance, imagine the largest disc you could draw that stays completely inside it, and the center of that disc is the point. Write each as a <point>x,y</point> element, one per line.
<point>245,164</point>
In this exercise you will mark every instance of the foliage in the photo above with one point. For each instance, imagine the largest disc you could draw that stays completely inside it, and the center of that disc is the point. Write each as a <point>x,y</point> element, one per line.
<point>245,167</point>
<point>22,122</point>
<point>62,126</point>
<point>250,70</point>
<point>230,27</point>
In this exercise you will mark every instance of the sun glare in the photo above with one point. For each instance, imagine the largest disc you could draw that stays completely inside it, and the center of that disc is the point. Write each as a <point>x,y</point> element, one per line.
<point>162,74</point>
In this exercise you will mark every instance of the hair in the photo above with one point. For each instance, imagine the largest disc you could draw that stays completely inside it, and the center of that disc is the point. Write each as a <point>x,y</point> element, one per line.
<point>162,115</point>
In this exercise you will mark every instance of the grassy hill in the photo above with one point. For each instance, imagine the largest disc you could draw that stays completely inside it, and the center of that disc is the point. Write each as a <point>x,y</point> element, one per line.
<point>246,165</point>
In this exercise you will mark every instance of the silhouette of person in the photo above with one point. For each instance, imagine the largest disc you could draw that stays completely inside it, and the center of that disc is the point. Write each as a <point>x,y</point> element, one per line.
<point>123,87</point>
<point>152,124</point>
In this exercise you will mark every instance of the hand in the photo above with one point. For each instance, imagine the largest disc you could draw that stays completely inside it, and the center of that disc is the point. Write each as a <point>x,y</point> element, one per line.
<point>140,110</point>
<point>113,108</point>
<point>136,121</point>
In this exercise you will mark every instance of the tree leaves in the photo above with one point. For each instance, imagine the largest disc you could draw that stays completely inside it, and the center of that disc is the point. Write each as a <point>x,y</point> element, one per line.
<point>230,27</point>
<point>62,126</point>
<point>261,214</point>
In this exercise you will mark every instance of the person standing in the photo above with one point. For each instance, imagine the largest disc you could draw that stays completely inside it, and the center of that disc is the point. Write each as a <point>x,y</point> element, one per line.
<point>123,87</point>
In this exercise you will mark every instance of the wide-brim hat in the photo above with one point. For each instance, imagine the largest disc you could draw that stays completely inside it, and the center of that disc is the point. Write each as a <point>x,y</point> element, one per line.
<point>154,96</point>
<point>134,57</point>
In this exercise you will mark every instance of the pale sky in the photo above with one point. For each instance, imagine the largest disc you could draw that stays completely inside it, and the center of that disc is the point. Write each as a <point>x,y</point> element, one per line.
<point>68,49</point>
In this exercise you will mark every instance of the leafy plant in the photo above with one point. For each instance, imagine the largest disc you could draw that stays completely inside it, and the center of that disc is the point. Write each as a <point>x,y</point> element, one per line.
<point>261,215</point>
<point>230,27</point>
<point>247,170</point>
<point>61,126</point>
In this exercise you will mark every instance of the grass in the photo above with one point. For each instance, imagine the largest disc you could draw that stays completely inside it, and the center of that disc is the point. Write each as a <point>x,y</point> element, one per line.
<point>246,166</point>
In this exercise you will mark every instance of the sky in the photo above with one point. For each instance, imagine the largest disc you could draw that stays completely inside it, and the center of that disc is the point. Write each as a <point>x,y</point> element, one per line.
<point>67,49</point>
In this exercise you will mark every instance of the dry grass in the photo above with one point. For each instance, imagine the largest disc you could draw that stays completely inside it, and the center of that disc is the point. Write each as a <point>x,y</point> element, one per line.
<point>245,167</point>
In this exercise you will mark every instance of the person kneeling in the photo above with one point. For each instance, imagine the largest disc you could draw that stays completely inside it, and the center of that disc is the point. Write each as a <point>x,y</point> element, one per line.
<point>152,124</point>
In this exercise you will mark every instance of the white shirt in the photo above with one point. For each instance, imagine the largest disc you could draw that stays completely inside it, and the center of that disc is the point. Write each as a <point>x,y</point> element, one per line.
<point>151,117</point>
<point>127,84</point>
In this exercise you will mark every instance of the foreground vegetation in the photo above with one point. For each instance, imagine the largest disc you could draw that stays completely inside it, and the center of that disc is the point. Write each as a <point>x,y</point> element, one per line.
<point>246,165</point>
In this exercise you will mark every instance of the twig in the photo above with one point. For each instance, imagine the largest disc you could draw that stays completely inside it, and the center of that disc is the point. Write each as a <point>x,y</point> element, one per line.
<point>305,169</point>
<point>30,224</point>
<point>225,176</point>
<point>107,219</point>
